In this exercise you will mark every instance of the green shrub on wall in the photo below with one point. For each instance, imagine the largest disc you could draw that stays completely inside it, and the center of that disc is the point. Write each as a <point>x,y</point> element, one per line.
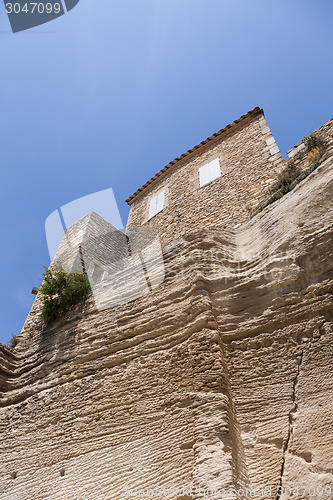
<point>284,179</point>
<point>314,140</point>
<point>60,291</point>
<point>290,175</point>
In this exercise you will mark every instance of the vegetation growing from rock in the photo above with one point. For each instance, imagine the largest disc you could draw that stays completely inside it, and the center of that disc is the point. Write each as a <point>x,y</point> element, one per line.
<point>13,341</point>
<point>291,175</point>
<point>314,140</point>
<point>60,291</point>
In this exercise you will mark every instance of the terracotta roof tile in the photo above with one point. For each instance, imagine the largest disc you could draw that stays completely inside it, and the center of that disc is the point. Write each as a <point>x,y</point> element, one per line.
<point>224,131</point>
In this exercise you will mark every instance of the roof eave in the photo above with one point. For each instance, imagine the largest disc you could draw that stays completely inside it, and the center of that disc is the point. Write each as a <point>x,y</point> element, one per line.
<point>194,151</point>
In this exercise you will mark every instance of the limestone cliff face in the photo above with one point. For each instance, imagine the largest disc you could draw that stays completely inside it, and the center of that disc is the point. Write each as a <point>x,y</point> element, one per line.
<point>219,378</point>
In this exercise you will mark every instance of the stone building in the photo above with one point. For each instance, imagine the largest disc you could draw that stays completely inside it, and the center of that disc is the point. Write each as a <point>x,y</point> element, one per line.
<point>211,184</point>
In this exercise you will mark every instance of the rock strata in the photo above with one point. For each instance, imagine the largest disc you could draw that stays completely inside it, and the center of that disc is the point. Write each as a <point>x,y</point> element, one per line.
<point>221,377</point>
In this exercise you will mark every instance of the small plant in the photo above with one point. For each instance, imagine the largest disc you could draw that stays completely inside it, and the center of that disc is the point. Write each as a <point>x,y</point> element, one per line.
<point>314,140</point>
<point>291,175</point>
<point>13,341</point>
<point>284,179</point>
<point>313,158</point>
<point>288,178</point>
<point>60,291</point>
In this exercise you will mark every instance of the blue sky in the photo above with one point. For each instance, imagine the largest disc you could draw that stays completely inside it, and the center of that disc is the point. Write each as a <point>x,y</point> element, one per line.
<point>106,95</point>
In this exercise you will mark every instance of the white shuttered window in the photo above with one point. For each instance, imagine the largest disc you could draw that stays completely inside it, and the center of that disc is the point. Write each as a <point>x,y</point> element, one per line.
<point>156,204</point>
<point>209,172</point>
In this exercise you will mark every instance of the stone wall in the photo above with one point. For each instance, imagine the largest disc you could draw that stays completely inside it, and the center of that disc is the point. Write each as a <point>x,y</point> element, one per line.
<point>91,242</point>
<point>299,152</point>
<point>249,158</point>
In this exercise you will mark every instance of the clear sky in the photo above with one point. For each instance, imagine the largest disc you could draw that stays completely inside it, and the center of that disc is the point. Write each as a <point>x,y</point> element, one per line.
<point>106,95</point>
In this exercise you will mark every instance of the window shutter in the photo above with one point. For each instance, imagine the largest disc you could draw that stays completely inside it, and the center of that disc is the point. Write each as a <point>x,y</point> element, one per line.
<point>209,172</point>
<point>156,204</point>
<point>215,169</point>
<point>152,207</point>
<point>160,201</point>
<point>204,175</point>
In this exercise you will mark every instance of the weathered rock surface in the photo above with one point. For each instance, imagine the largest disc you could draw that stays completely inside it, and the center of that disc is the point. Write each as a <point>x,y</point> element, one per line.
<point>221,377</point>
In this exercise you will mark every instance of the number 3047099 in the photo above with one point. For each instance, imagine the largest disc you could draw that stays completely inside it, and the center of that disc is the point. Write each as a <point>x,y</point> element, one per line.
<point>33,7</point>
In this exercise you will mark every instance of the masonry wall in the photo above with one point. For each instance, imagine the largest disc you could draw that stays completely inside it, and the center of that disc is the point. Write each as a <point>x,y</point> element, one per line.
<point>248,157</point>
<point>101,244</point>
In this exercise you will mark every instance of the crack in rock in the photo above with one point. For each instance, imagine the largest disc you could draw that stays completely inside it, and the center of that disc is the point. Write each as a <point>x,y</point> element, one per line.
<point>290,422</point>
